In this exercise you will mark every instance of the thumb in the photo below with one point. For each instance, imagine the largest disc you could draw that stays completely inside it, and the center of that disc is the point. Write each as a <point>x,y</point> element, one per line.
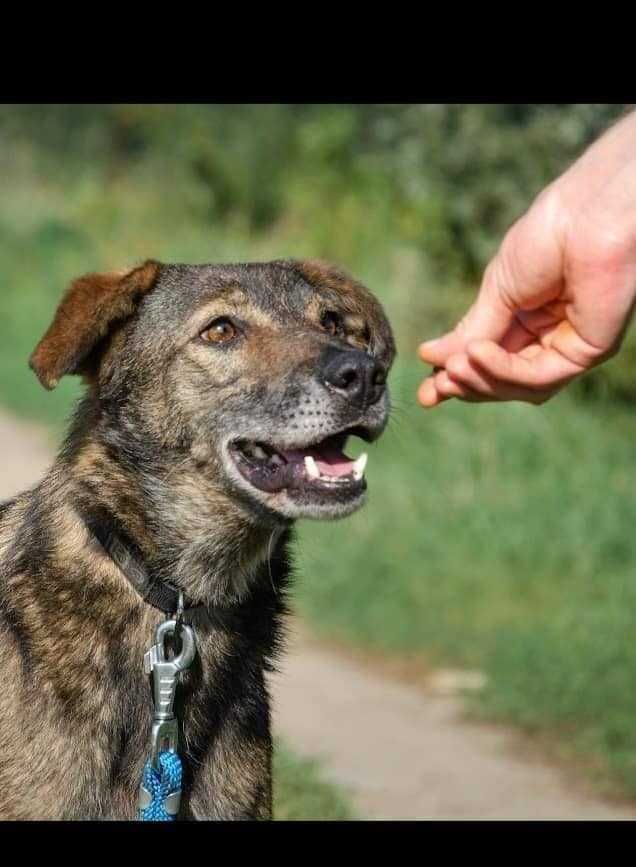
<point>525,273</point>
<point>436,351</point>
<point>488,319</point>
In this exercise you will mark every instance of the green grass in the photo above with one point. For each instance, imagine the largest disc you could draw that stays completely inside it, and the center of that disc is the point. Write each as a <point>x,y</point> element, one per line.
<point>300,791</point>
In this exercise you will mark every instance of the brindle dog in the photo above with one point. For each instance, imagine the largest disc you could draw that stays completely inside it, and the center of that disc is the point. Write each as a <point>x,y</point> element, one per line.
<point>219,400</point>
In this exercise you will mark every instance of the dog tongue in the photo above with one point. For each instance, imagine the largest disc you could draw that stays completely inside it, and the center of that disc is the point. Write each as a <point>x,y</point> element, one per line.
<point>331,461</point>
<point>333,464</point>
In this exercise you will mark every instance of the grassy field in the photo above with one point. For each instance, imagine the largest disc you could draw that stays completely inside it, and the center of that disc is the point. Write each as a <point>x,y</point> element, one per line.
<point>496,537</point>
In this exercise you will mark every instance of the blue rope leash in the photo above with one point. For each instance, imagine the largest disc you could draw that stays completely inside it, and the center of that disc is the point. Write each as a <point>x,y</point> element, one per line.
<point>160,784</point>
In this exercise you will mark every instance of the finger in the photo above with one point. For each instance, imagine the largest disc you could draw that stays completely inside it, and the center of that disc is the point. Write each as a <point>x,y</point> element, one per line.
<point>552,330</point>
<point>465,371</point>
<point>489,318</point>
<point>526,273</point>
<point>438,388</point>
<point>482,321</point>
<point>427,393</point>
<point>447,388</point>
<point>545,369</point>
<point>566,341</point>
<point>517,337</point>
<point>544,318</point>
<point>522,332</point>
<point>436,351</point>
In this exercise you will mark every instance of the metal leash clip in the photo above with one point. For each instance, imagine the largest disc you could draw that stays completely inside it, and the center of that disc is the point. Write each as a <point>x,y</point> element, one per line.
<point>165,675</point>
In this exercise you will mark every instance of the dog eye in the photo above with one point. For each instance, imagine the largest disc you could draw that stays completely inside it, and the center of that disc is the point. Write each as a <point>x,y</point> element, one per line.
<point>219,331</point>
<point>332,323</point>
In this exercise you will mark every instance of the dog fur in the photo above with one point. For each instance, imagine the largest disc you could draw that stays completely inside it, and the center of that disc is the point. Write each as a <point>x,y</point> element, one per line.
<point>148,446</point>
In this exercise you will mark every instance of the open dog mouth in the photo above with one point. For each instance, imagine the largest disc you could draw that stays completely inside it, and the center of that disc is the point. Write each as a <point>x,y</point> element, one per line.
<point>322,466</point>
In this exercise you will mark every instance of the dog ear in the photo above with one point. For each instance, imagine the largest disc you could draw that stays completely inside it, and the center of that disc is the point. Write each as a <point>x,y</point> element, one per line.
<point>91,306</point>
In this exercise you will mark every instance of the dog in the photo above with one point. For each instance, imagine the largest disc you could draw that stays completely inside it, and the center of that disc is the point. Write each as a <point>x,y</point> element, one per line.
<point>218,403</point>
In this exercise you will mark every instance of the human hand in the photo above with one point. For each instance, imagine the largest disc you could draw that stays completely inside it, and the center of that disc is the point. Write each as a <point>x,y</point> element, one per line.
<point>557,298</point>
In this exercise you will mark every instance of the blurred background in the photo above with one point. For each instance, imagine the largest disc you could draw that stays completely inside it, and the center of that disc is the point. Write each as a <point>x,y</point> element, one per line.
<point>497,538</point>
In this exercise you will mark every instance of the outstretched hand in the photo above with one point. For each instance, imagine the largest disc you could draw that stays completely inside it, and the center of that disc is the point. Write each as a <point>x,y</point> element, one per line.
<point>556,299</point>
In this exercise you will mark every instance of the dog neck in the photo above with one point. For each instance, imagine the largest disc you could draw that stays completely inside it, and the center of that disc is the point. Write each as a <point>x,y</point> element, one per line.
<point>186,528</point>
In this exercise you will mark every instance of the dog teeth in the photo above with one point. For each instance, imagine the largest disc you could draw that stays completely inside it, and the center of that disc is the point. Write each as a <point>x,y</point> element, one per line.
<point>276,460</point>
<point>259,453</point>
<point>359,466</point>
<point>310,467</point>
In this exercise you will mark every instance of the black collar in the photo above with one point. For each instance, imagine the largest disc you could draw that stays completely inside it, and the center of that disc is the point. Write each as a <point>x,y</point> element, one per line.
<point>125,552</point>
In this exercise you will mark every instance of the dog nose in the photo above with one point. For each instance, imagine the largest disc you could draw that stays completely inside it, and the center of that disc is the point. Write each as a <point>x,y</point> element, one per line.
<point>354,374</point>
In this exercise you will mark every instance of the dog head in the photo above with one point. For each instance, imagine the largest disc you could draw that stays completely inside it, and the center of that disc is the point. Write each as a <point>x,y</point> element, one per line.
<point>260,372</point>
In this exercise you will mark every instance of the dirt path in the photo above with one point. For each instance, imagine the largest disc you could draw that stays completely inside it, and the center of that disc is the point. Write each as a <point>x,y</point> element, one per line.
<point>403,753</point>
<point>399,751</point>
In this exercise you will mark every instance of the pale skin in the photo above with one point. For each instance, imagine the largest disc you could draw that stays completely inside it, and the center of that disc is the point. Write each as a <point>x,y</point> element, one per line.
<point>558,296</point>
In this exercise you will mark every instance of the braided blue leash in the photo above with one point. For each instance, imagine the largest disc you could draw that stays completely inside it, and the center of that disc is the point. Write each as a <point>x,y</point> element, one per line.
<point>160,784</point>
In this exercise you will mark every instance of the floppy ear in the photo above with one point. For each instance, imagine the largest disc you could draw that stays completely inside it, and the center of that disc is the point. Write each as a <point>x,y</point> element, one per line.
<point>92,305</point>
